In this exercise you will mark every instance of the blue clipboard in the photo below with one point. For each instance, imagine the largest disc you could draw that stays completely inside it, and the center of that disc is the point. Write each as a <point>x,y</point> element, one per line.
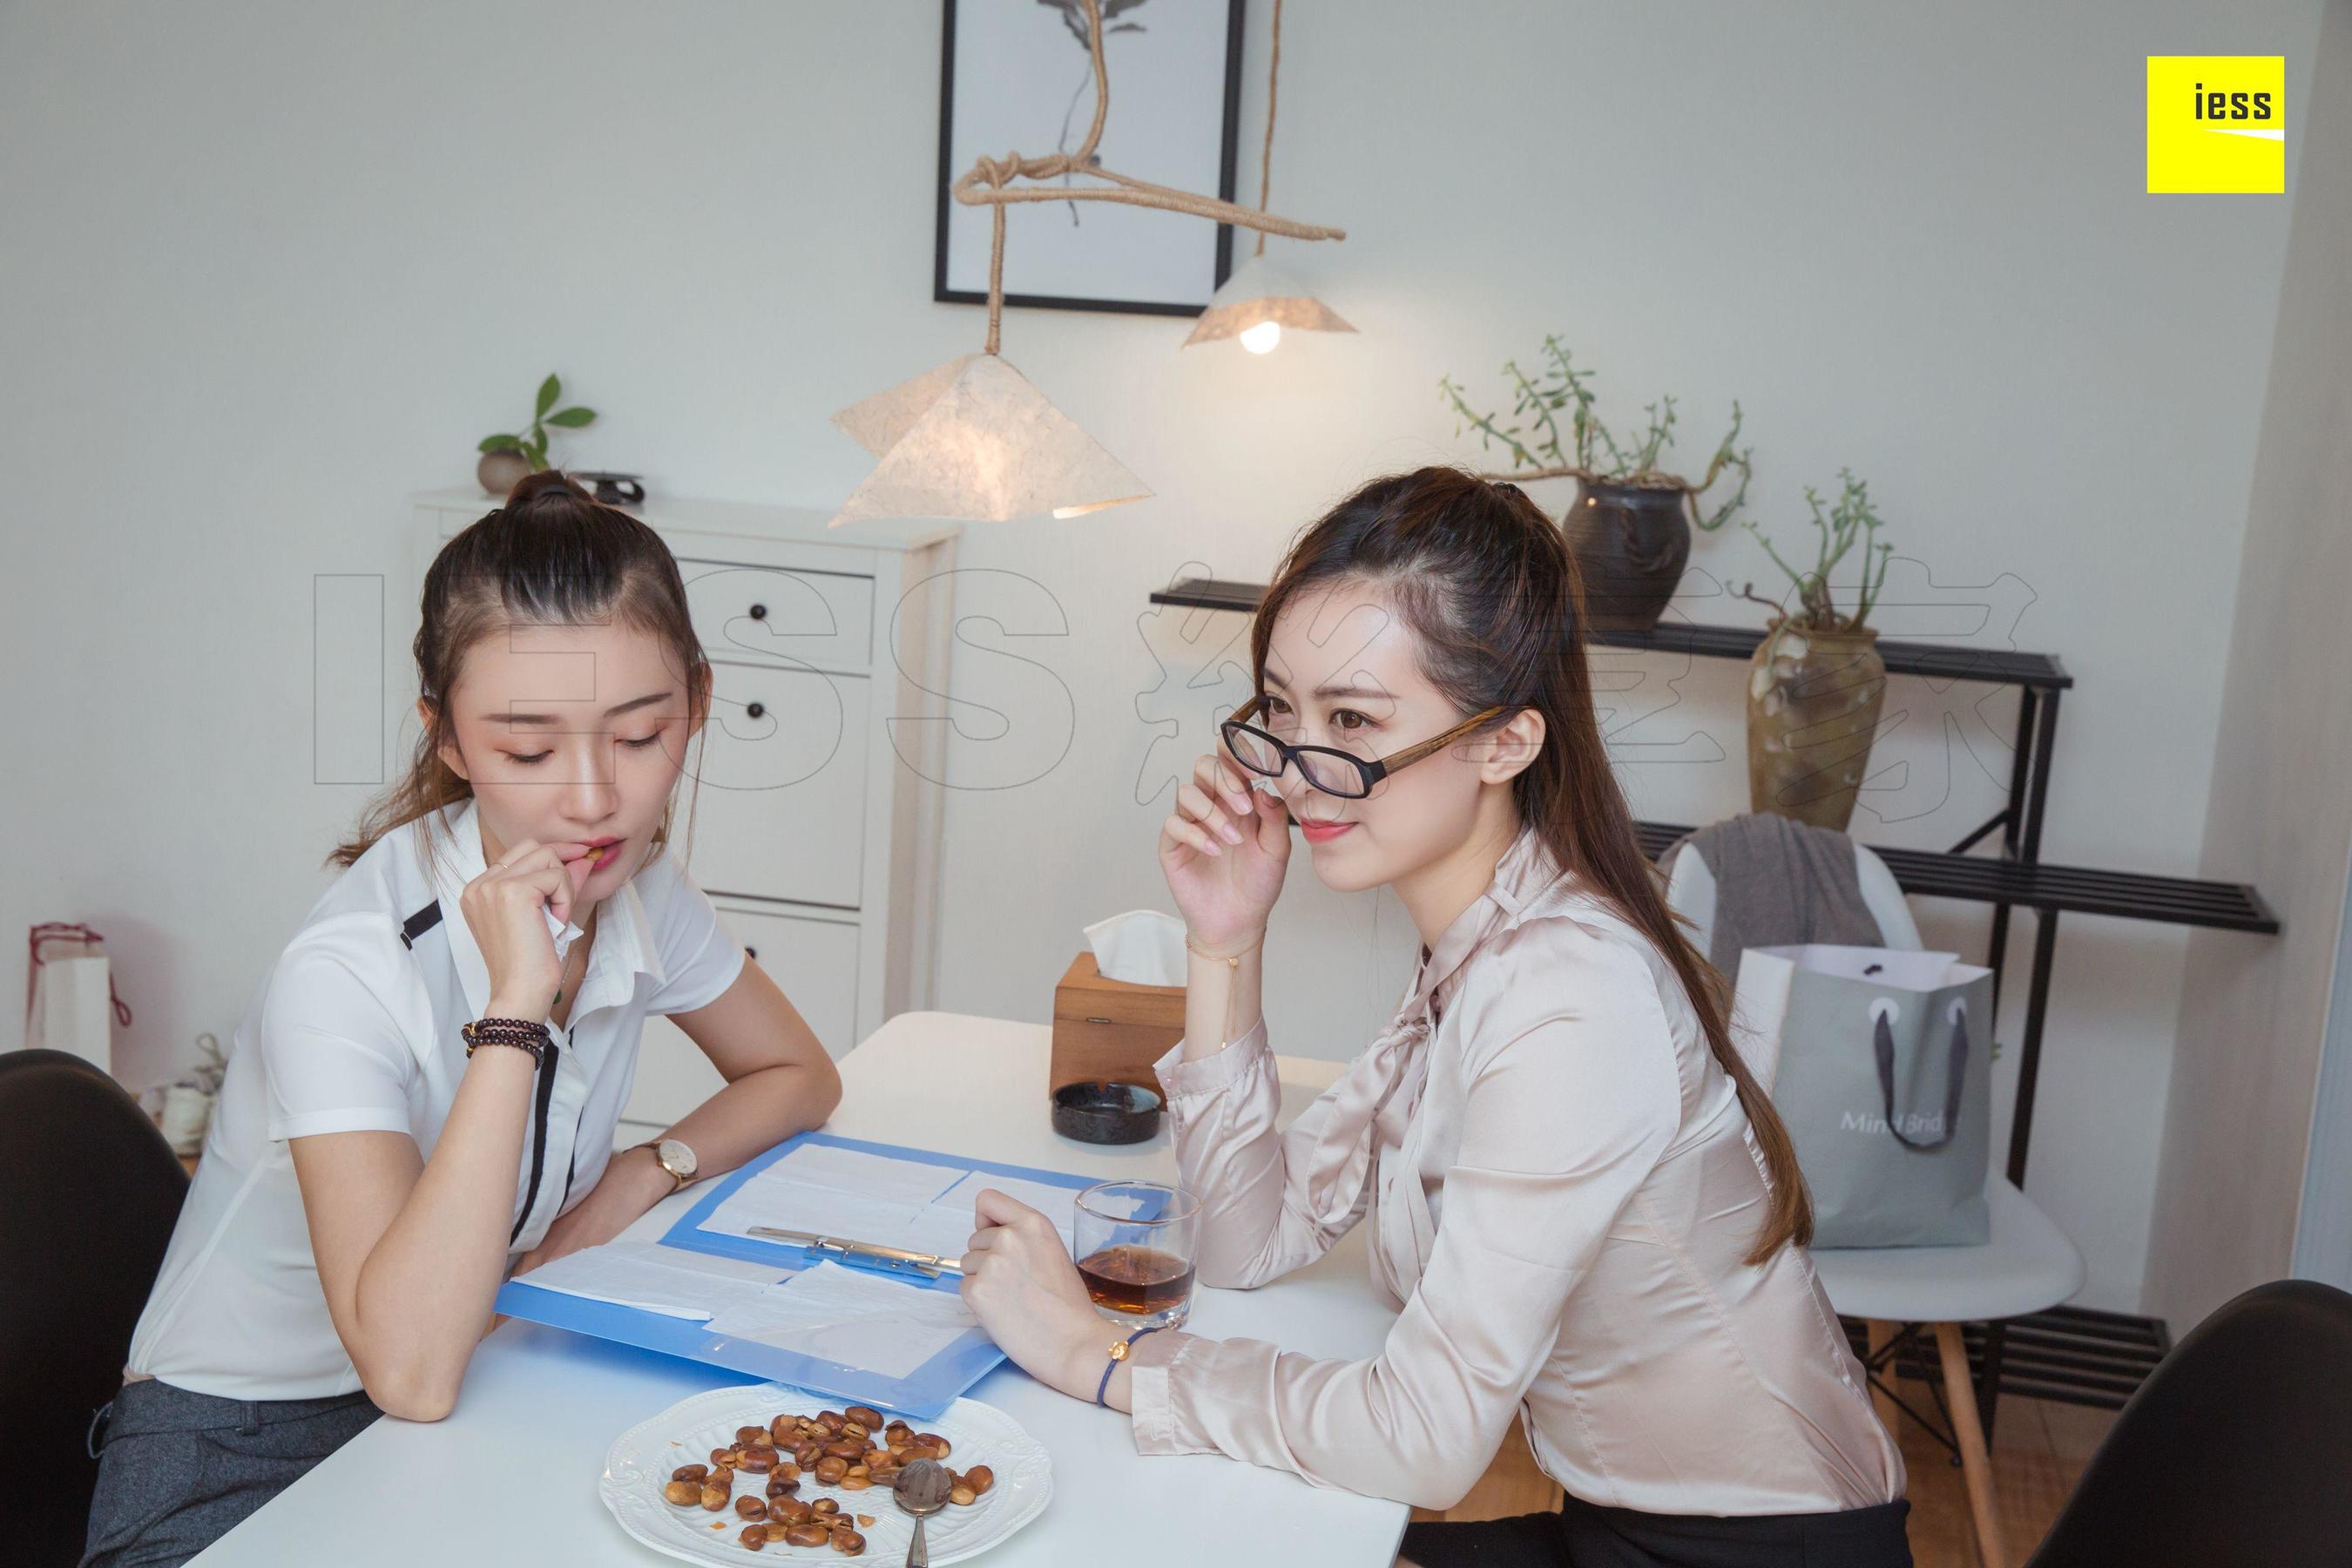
<point>924,1392</point>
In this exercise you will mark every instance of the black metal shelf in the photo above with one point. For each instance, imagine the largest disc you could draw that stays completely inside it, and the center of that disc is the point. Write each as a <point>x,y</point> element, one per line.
<point>2037,884</point>
<point>1939,661</point>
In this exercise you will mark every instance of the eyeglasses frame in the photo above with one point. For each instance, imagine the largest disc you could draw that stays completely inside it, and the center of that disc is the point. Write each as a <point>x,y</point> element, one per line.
<point>1372,770</point>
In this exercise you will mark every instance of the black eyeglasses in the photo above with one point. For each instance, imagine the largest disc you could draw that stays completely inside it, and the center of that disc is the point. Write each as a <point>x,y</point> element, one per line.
<point>1329,769</point>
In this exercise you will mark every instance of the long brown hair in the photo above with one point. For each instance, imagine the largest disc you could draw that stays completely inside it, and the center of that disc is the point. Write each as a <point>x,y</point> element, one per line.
<point>551,555</point>
<point>1487,583</point>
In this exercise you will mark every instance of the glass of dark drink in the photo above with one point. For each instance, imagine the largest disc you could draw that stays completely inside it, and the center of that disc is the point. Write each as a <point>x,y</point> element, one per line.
<point>1134,1244</point>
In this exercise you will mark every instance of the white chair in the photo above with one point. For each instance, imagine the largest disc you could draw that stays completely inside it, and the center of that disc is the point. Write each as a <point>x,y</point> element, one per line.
<point>2026,1266</point>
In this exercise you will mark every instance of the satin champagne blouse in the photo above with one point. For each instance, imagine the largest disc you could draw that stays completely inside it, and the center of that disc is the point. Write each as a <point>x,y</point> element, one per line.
<point>1562,1188</point>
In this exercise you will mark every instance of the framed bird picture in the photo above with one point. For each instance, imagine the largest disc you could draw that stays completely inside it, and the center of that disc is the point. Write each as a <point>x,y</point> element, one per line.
<point>1017,76</point>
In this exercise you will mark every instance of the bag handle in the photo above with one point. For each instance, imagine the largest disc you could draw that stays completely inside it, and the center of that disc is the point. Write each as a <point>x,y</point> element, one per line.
<point>1956,1072</point>
<point>64,931</point>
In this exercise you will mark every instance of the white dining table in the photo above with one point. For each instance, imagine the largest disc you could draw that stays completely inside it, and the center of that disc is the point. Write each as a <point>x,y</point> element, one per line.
<point>510,1477</point>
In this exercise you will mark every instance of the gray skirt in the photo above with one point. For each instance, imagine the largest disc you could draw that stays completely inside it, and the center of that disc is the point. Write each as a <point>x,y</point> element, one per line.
<point>176,1470</point>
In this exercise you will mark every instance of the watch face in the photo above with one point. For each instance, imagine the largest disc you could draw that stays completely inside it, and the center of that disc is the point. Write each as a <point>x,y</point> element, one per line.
<point>676,1157</point>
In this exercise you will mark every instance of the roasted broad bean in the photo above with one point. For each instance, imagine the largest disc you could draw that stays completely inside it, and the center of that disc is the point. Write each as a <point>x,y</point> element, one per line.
<point>685,1494</point>
<point>810,1534</point>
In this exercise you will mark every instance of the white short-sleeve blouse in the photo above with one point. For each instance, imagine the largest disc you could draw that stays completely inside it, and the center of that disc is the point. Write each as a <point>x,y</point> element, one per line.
<point>356,1029</point>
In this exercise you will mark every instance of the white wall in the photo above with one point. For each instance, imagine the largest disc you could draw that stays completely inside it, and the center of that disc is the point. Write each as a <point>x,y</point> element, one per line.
<point>266,268</point>
<point>2252,1016</point>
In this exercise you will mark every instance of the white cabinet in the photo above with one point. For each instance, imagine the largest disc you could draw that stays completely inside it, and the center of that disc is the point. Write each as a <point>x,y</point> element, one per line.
<point>779,793</point>
<point>814,833</point>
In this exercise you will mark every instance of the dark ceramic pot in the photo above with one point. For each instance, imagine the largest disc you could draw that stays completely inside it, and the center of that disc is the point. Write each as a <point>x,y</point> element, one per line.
<point>1632,542</point>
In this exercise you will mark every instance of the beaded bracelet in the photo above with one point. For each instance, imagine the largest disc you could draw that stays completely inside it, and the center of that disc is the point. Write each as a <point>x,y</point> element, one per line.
<point>519,1032</point>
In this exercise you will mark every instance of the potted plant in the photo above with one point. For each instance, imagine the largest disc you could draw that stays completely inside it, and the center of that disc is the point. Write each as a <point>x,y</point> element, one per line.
<point>505,459</point>
<point>1630,523</point>
<point>1815,683</point>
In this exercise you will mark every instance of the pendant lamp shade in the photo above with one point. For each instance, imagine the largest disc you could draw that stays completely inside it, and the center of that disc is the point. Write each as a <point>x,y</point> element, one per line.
<point>1260,292</point>
<point>973,440</point>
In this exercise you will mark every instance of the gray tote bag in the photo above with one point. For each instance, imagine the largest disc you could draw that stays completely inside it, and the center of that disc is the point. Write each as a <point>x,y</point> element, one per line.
<point>1886,1083</point>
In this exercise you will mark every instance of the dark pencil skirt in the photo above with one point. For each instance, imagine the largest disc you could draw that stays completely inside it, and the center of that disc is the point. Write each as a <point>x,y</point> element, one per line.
<point>1585,1535</point>
<point>176,1470</point>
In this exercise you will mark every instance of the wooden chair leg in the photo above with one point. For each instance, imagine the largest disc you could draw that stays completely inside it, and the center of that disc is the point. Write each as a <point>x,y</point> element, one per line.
<point>1882,1334</point>
<point>1976,1465</point>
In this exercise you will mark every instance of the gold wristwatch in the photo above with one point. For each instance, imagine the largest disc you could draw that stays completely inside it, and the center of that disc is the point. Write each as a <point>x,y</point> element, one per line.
<point>674,1157</point>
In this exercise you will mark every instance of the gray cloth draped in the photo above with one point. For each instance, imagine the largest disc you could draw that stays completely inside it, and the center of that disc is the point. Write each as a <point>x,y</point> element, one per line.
<point>1778,883</point>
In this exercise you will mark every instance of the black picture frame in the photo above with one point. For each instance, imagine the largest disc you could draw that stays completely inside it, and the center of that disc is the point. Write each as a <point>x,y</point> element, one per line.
<point>947,173</point>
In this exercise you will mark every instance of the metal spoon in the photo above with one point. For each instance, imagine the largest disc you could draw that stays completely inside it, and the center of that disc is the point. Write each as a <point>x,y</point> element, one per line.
<point>921,1490</point>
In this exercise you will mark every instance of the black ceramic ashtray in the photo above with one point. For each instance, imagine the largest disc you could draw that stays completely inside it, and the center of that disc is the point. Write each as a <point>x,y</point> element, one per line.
<point>1106,1112</point>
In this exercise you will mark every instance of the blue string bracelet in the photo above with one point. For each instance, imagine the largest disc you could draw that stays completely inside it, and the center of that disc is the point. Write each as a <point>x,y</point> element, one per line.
<point>1118,1354</point>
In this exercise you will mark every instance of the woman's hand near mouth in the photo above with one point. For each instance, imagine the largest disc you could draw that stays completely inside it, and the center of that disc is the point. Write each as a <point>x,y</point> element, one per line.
<point>503,908</point>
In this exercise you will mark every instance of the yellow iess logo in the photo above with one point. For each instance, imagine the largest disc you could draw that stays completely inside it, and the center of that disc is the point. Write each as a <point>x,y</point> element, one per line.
<point>2217,122</point>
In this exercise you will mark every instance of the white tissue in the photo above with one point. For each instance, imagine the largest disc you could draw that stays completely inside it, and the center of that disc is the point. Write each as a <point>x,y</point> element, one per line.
<point>1142,947</point>
<point>564,932</point>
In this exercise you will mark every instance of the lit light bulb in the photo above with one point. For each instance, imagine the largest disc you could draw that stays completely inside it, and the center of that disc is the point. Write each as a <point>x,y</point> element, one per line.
<point>1261,338</point>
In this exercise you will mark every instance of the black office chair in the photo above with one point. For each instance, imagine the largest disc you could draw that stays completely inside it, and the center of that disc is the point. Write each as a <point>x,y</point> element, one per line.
<point>89,1193</point>
<point>2235,1453</point>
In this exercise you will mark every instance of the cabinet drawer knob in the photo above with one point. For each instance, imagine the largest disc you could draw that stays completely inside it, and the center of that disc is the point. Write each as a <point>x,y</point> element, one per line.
<point>758,612</point>
<point>757,709</point>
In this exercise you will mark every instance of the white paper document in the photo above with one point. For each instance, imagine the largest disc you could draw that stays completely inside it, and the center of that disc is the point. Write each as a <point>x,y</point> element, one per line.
<point>852,1317</point>
<point>662,1279</point>
<point>854,1195</point>
<point>1059,1204</point>
<point>877,1175</point>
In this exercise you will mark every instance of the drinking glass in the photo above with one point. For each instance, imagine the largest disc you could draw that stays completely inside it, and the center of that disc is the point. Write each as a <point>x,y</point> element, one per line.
<point>1134,1242</point>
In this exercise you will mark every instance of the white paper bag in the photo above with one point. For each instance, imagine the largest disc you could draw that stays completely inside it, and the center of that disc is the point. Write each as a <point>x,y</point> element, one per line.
<point>71,1005</point>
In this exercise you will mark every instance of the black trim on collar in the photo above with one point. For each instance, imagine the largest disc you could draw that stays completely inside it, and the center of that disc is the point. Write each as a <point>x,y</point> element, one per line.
<point>420,922</point>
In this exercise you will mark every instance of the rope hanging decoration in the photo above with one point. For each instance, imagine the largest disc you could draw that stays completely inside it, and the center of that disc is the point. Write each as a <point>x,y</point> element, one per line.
<point>991,181</point>
<point>973,438</point>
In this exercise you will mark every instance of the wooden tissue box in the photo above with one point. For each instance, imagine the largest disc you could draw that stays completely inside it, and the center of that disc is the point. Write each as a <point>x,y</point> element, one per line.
<point>1110,1031</point>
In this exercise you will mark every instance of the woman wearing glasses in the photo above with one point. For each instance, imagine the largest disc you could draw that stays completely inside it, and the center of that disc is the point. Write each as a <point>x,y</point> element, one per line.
<point>1582,1203</point>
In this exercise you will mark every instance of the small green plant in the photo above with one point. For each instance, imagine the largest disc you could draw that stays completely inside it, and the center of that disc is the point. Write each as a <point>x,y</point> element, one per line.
<point>1838,528</point>
<point>1537,445</point>
<point>532,442</point>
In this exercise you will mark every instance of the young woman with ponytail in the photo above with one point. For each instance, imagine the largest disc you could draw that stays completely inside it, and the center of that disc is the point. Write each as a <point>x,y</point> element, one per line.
<point>422,1099</point>
<point>1583,1204</point>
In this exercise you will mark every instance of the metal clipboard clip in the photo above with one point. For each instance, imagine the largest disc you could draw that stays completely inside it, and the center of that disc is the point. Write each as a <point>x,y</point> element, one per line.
<point>867,1254</point>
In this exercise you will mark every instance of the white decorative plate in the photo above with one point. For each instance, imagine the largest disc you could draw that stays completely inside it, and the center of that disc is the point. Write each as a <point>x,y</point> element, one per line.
<point>642,1458</point>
